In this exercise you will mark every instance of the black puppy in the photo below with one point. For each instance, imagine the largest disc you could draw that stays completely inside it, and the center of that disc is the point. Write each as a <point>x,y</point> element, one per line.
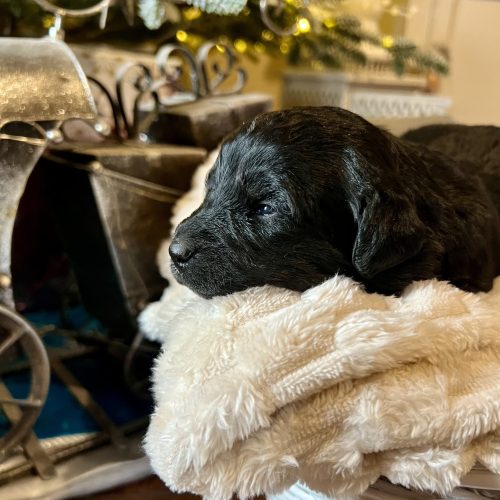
<point>298,196</point>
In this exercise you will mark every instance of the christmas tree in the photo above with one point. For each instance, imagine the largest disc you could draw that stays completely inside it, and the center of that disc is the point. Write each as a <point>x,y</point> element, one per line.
<point>315,33</point>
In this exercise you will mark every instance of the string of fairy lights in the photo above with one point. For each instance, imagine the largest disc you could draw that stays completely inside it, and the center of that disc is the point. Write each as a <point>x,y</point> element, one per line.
<point>302,27</point>
<point>315,33</point>
<point>325,28</point>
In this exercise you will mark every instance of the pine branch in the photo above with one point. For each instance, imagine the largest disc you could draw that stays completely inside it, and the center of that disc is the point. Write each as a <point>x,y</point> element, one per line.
<point>153,12</point>
<point>335,43</point>
<point>221,7</point>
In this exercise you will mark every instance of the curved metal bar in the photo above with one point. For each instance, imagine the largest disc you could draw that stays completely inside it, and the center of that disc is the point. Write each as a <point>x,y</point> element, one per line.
<point>162,57</point>
<point>11,340</point>
<point>34,349</point>
<point>114,108</point>
<point>27,140</point>
<point>220,74</point>
<point>143,83</point>
<point>142,124</point>
<point>47,135</point>
<point>101,7</point>
<point>264,6</point>
<point>95,9</point>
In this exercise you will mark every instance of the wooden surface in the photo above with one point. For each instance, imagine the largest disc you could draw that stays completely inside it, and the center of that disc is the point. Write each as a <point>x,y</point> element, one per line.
<point>150,488</point>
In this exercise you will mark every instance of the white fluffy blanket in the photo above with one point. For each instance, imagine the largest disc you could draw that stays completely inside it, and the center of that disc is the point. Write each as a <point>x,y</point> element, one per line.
<point>333,387</point>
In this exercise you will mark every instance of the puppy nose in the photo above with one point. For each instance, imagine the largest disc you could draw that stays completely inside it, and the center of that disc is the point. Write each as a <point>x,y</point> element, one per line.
<point>181,251</point>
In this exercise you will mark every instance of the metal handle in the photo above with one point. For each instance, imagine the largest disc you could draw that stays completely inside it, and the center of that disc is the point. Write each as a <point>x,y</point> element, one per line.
<point>95,9</point>
<point>101,7</point>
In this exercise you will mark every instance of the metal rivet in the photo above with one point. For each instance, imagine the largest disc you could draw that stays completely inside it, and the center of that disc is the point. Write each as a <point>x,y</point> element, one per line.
<point>5,281</point>
<point>96,167</point>
<point>102,128</point>
<point>55,136</point>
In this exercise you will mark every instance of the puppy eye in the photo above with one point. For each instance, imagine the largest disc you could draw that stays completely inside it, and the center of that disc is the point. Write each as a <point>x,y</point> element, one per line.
<point>263,209</point>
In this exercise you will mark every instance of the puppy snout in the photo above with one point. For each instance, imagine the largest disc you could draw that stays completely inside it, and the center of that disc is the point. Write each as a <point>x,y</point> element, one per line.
<point>181,251</point>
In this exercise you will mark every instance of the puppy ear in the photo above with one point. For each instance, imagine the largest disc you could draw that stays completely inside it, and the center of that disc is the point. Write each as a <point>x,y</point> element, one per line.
<point>389,233</point>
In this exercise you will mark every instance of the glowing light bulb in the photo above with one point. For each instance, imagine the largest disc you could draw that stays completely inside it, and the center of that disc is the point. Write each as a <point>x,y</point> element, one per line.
<point>329,23</point>
<point>387,41</point>
<point>240,45</point>
<point>181,35</point>
<point>260,48</point>
<point>303,25</point>
<point>284,48</point>
<point>268,35</point>
<point>192,13</point>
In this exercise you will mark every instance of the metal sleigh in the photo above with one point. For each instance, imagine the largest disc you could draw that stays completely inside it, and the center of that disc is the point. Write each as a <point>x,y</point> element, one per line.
<point>42,85</point>
<point>118,189</point>
<point>42,89</point>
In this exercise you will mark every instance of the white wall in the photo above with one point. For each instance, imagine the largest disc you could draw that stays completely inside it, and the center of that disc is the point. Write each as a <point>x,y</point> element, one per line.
<point>474,44</point>
<point>474,82</point>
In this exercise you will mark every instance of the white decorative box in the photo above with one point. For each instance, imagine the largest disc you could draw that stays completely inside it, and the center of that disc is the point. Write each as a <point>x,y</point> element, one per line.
<point>371,96</point>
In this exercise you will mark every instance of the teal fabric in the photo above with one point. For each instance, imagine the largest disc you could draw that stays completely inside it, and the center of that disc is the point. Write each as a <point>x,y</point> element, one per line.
<point>100,373</point>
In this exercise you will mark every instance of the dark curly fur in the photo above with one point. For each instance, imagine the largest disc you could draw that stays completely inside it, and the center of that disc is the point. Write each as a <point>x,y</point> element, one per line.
<point>298,196</point>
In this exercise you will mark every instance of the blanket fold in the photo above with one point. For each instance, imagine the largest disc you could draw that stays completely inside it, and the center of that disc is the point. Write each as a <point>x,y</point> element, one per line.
<point>333,387</point>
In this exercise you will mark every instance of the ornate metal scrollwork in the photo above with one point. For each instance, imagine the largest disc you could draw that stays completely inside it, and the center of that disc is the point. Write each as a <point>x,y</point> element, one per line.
<point>205,77</point>
<point>100,125</point>
<point>172,74</point>
<point>114,120</point>
<point>214,75</point>
<point>145,85</point>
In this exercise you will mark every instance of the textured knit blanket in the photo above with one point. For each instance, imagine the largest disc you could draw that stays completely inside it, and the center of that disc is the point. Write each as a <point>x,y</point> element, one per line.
<point>333,387</point>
